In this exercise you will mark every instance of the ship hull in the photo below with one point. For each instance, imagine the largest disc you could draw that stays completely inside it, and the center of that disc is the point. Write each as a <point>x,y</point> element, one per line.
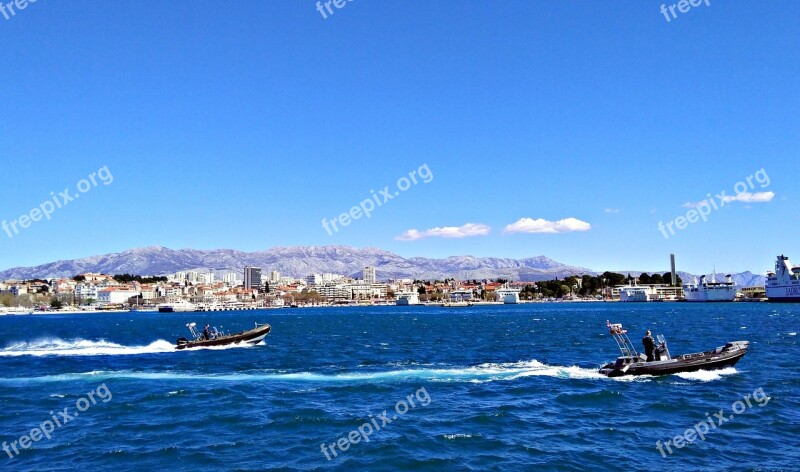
<point>783,299</point>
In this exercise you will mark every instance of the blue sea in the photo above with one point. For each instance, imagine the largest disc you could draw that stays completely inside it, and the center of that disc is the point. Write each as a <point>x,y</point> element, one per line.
<point>399,388</point>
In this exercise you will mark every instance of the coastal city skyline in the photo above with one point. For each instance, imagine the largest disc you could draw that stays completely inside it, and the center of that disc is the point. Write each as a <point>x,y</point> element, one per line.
<point>535,145</point>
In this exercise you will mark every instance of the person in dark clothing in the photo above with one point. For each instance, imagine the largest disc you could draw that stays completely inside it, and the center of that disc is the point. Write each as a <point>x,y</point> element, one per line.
<point>649,346</point>
<point>207,334</point>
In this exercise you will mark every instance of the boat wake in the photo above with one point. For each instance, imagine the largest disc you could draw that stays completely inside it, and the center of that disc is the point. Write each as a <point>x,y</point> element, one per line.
<point>84,347</point>
<point>476,374</point>
<point>707,375</point>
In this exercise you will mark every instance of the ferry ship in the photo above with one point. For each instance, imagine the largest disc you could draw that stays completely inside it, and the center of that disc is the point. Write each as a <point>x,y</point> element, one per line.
<point>407,298</point>
<point>783,285</point>
<point>635,293</point>
<point>509,296</point>
<point>713,291</point>
<point>177,307</point>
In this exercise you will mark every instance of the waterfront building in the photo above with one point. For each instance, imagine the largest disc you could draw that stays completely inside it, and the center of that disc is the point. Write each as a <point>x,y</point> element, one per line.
<point>83,290</point>
<point>364,291</point>
<point>369,275</point>
<point>335,292</point>
<point>252,277</point>
<point>115,296</point>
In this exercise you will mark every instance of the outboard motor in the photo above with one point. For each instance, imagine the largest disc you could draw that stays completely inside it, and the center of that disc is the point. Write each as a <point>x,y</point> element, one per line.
<point>662,352</point>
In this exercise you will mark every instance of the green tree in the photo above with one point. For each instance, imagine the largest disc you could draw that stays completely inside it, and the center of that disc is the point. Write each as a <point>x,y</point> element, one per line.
<point>612,278</point>
<point>656,279</point>
<point>667,278</point>
<point>56,304</point>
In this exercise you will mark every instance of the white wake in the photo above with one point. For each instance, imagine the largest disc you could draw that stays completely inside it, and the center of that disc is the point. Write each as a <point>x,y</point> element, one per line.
<point>84,347</point>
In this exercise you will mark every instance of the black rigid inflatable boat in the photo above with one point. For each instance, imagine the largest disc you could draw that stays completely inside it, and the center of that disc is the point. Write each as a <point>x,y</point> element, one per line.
<point>253,336</point>
<point>634,363</point>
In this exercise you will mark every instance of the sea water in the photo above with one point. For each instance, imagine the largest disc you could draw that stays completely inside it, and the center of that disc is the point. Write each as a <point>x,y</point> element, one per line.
<point>500,387</point>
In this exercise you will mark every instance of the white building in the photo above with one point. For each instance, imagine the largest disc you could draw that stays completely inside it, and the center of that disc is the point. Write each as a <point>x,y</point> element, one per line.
<point>18,290</point>
<point>274,277</point>
<point>335,292</point>
<point>230,278</point>
<point>83,290</point>
<point>313,280</point>
<point>148,294</point>
<point>369,275</point>
<point>110,296</point>
<point>365,291</point>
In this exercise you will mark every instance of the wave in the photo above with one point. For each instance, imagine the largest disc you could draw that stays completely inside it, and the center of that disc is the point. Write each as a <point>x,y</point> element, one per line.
<point>84,347</point>
<point>708,375</point>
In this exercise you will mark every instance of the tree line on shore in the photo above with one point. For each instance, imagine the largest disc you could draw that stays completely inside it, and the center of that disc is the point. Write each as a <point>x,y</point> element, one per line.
<point>591,285</point>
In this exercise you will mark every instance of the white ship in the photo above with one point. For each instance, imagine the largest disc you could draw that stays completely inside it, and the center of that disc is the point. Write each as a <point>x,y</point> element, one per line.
<point>509,296</point>
<point>635,293</point>
<point>177,307</point>
<point>407,298</point>
<point>702,291</point>
<point>18,311</point>
<point>783,285</point>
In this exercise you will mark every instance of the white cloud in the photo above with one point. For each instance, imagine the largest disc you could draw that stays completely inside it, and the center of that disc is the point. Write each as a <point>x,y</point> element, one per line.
<point>747,197</point>
<point>529,225</point>
<point>467,230</point>
<point>611,210</point>
<point>744,197</point>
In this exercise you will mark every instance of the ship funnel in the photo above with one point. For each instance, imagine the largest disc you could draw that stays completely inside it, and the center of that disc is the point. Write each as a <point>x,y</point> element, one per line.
<point>702,279</point>
<point>729,279</point>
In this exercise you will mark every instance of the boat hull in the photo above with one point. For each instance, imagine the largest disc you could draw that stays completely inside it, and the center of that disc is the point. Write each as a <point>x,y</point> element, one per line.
<point>720,358</point>
<point>780,299</point>
<point>253,336</point>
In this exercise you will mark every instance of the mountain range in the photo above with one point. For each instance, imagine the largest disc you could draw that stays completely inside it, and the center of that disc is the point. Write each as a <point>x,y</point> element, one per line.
<point>299,261</point>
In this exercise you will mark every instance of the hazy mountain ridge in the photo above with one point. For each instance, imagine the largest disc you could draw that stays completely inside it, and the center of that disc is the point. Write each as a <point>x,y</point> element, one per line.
<point>299,261</point>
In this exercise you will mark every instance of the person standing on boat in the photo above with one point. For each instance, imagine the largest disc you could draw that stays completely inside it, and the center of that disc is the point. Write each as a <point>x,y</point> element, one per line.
<point>649,346</point>
<point>207,334</point>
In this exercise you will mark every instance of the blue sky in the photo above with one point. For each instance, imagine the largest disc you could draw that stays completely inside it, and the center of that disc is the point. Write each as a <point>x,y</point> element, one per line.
<point>244,124</point>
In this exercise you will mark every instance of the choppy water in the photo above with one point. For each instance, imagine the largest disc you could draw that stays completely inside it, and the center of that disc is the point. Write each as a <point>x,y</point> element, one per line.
<point>486,388</point>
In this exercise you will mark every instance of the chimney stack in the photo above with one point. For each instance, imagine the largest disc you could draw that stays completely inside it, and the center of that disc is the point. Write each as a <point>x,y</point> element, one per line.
<point>672,264</point>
